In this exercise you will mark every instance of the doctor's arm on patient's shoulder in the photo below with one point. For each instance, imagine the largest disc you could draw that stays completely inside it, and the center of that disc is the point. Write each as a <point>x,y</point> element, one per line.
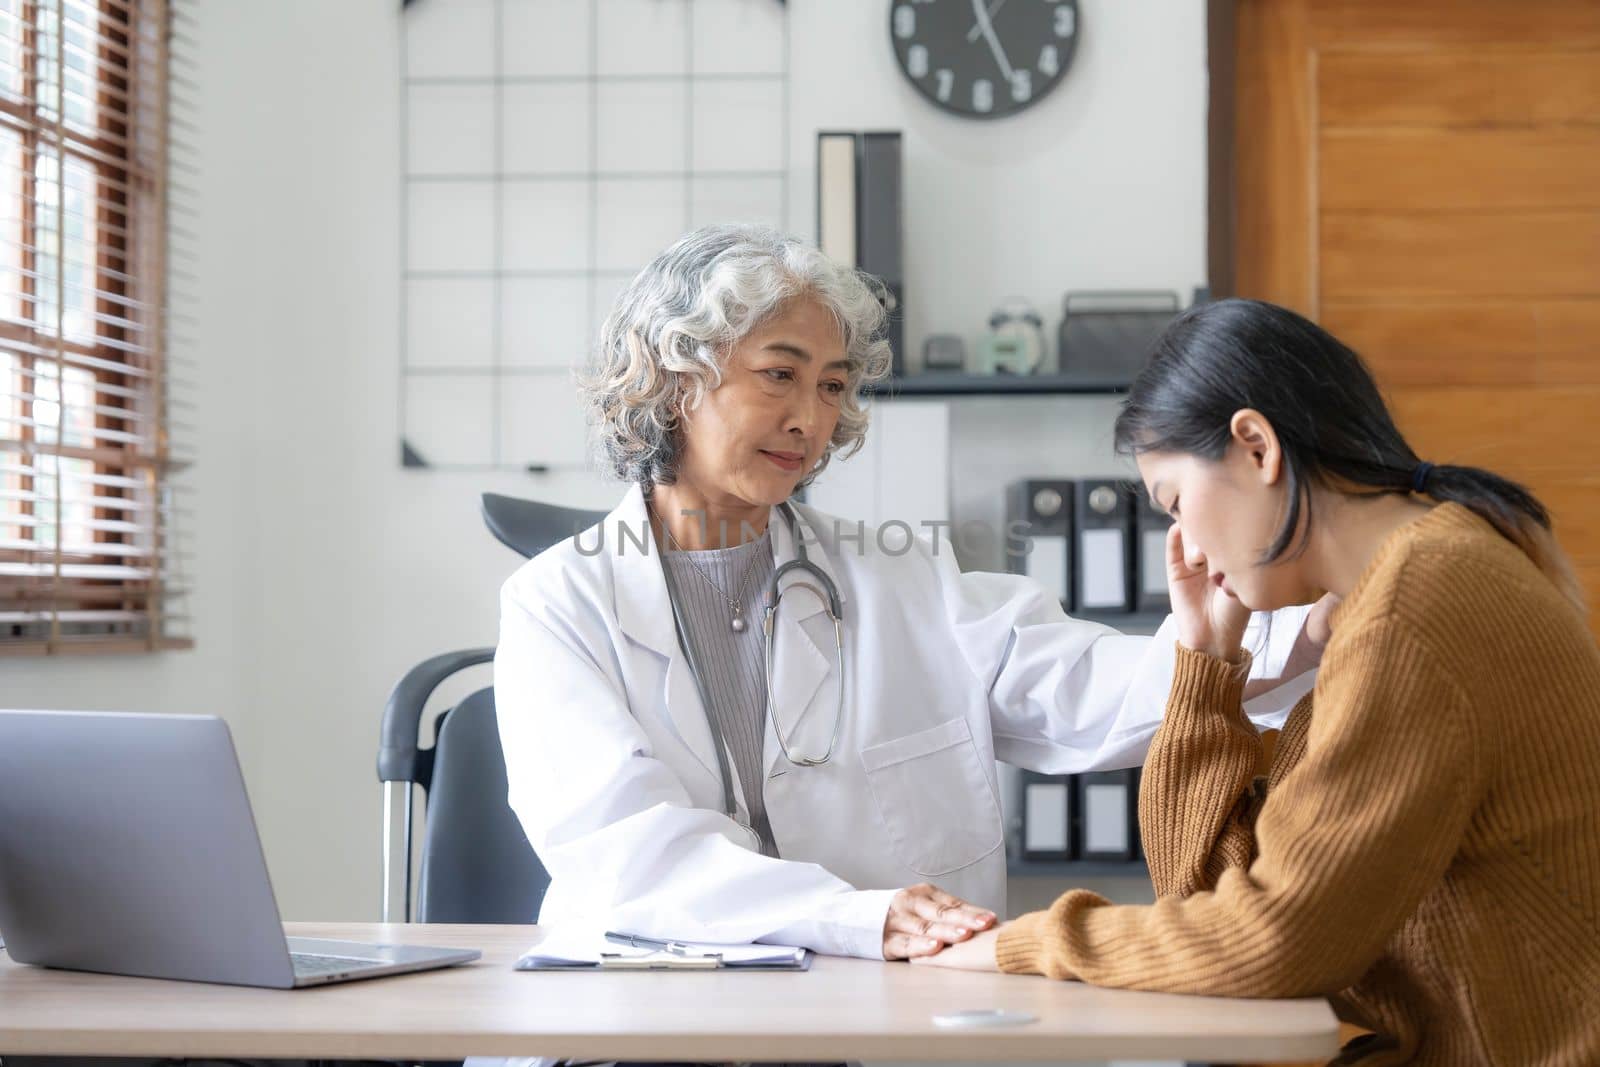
<point>627,848</point>
<point>1068,695</point>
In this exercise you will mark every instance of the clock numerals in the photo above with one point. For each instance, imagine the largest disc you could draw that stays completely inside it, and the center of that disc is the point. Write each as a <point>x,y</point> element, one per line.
<point>917,61</point>
<point>1022,86</point>
<point>983,95</point>
<point>905,22</point>
<point>984,58</point>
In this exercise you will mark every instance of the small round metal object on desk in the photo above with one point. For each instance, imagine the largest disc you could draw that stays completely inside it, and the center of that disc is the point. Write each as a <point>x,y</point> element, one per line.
<point>976,1017</point>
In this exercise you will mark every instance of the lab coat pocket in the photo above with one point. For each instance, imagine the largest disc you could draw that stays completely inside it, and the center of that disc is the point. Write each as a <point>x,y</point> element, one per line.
<point>938,806</point>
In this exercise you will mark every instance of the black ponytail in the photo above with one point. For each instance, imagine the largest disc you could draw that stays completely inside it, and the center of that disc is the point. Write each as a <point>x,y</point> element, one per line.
<point>1332,424</point>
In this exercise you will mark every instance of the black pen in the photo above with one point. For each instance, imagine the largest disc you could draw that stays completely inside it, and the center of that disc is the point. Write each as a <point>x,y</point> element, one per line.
<point>677,948</point>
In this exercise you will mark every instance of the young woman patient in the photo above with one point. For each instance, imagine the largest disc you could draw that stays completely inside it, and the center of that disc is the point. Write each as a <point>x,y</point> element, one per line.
<point>1425,846</point>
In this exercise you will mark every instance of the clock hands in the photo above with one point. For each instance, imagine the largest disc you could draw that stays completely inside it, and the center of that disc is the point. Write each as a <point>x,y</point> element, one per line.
<point>1005,88</point>
<point>986,28</point>
<point>977,29</point>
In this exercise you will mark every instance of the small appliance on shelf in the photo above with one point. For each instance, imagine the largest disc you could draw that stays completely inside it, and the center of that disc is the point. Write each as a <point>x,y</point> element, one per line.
<point>1107,335</point>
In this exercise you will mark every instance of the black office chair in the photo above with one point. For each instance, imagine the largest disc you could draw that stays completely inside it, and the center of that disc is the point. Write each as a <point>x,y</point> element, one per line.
<point>477,865</point>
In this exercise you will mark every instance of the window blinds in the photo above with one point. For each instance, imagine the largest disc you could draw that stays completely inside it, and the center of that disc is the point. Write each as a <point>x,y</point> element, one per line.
<point>91,553</point>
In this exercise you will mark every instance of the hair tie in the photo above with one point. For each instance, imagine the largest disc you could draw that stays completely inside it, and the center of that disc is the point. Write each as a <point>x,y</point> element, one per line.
<point>1419,477</point>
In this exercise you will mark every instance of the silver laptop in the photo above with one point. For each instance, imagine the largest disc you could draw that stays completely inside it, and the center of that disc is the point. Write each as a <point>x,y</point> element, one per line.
<point>127,846</point>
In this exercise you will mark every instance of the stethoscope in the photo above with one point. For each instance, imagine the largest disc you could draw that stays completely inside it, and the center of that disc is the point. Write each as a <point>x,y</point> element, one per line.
<point>821,586</point>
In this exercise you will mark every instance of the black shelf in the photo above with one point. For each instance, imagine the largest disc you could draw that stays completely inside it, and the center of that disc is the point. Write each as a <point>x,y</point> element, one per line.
<point>1065,870</point>
<point>957,383</point>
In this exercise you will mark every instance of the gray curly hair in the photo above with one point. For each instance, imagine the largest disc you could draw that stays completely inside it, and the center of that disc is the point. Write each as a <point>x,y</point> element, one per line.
<point>663,346</point>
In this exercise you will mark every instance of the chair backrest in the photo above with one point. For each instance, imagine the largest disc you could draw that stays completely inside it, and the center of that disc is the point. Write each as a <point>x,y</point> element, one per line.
<point>477,865</point>
<point>529,527</point>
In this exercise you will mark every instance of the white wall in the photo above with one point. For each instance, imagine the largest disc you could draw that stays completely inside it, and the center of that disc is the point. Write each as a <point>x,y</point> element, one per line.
<point>1101,185</point>
<point>325,569</point>
<point>363,568</point>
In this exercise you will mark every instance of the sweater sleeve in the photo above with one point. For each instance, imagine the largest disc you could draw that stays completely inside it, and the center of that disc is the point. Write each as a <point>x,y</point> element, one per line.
<point>1349,843</point>
<point>1195,793</point>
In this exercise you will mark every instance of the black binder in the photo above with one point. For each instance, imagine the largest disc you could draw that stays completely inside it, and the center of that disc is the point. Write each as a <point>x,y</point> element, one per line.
<point>859,215</point>
<point>1102,548</point>
<point>1047,816</point>
<point>1150,552</point>
<point>1038,533</point>
<point>878,229</point>
<point>1107,815</point>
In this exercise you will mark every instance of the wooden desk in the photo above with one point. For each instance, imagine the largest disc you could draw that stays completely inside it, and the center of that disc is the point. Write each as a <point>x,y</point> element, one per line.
<point>841,1009</point>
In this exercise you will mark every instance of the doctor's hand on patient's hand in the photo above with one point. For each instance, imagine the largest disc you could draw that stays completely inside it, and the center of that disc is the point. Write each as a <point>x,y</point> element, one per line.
<point>975,954</point>
<point>1209,619</point>
<point>923,919</point>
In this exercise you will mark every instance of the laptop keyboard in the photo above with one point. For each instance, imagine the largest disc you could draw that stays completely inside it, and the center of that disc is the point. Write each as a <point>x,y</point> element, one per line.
<point>310,965</point>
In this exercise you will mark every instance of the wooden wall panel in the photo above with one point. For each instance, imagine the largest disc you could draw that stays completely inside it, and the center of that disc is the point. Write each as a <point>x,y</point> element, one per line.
<point>1447,89</point>
<point>1499,24</point>
<point>1588,575</point>
<point>1523,433</point>
<point>1445,156</point>
<point>1421,169</point>
<point>1569,334</point>
<point>1530,254</point>
<point>1577,520</point>
<point>1274,258</point>
<point>1460,342</point>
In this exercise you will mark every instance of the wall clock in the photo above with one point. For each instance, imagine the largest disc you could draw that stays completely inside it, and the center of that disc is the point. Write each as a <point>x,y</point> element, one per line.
<point>984,58</point>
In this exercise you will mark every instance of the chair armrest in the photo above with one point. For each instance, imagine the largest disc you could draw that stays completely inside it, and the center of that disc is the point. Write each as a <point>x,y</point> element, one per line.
<point>399,759</point>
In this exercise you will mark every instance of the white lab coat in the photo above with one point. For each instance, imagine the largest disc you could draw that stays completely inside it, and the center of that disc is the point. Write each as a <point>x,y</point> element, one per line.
<point>613,774</point>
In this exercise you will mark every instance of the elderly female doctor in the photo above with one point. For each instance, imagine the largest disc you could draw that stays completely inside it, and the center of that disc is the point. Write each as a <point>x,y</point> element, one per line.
<point>687,766</point>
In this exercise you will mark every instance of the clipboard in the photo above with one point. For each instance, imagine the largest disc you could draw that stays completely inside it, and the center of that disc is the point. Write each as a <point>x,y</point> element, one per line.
<point>572,951</point>
<point>663,961</point>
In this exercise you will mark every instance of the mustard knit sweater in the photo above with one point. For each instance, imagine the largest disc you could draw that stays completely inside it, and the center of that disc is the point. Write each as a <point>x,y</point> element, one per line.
<point>1426,849</point>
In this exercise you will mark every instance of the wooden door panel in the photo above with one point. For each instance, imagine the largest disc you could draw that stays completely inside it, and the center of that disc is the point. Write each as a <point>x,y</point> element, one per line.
<point>1523,433</point>
<point>1589,578</point>
<point>1454,341</point>
<point>1575,513</point>
<point>1424,179</point>
<point>1531,254</point>
<point>1445,89</point>
<point>1421,170</point>
<point>1446,23</point>
<point>1275,260</point>
<point>1569,336</point>
<point>1519,439</point>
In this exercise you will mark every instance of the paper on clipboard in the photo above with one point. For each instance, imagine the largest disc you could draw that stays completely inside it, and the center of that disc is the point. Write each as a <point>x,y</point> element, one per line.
<point>572,950</point>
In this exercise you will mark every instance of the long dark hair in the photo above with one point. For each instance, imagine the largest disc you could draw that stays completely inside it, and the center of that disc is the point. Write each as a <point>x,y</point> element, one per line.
<point>1332,424</point>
